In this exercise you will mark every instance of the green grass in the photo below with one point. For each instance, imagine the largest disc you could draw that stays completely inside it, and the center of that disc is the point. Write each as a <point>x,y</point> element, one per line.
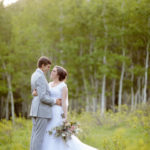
<point>116,131</point>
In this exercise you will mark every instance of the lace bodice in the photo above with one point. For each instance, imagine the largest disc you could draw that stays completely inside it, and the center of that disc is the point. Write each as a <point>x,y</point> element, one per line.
<point>56,91</point>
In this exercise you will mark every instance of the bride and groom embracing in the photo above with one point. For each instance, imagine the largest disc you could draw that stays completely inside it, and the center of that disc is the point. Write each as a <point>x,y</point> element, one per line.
<point>50,101</point>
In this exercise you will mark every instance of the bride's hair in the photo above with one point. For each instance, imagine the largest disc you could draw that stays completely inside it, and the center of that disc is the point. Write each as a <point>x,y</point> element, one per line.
<point>61,72</point>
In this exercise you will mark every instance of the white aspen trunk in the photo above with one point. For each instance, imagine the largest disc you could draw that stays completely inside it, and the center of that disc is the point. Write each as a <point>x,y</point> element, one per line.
<point>11,98</point>
<point>123,69</point>
<point>93,85</point>
<point>146,66</point>
<point>10,92</point>
<point>113,94</point>
<point>103,97</point>
<point>132,91</point>
<point>146,74</point>
<point>121,84</point>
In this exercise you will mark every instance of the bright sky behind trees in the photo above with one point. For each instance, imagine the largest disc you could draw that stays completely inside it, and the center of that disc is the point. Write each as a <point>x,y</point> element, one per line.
<point>8,2</point>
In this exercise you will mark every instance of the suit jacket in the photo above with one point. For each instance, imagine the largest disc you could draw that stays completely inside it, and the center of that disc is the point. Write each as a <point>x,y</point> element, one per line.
<point>41,104</point>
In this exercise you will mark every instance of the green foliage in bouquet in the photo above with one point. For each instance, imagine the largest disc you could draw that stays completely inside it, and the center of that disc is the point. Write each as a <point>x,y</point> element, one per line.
<point>66,130</point>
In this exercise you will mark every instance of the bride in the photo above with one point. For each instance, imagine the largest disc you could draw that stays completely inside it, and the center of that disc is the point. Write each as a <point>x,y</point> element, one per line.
<point>58,89</point>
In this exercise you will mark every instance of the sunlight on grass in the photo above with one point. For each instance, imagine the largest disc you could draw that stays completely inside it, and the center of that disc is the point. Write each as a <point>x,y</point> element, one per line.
<point>116,131</point>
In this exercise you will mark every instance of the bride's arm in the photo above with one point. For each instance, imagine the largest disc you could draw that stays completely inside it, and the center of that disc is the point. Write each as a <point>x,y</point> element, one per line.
<point>64,101</point>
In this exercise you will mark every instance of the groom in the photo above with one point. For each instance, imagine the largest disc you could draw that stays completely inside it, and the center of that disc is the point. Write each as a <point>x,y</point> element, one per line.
<point>41,104</point>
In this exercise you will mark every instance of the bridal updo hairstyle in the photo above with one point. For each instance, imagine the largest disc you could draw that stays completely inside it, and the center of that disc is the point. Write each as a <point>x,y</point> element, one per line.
<point>43,60</point>
<point>61,72</point>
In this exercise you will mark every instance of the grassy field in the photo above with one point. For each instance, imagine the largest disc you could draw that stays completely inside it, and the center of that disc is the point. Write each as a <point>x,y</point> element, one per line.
<point>125,130</point>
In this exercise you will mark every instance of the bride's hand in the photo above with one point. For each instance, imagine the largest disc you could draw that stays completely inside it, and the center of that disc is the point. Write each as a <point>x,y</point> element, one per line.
<point>34,93</point>
<point>65,120</point>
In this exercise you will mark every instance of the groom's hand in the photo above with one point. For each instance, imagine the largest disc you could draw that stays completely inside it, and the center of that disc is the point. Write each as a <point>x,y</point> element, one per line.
<point>58,102</point>
<point>34,93</point>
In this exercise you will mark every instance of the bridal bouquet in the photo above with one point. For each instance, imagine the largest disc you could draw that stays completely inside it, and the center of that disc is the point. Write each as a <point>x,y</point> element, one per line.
<point>66,130</point>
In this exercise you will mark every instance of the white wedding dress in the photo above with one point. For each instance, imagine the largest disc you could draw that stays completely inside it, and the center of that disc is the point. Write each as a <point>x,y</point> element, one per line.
<point>51,142</point>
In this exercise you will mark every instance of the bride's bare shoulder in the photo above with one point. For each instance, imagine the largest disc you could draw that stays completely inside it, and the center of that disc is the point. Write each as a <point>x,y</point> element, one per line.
<point>64,84</point>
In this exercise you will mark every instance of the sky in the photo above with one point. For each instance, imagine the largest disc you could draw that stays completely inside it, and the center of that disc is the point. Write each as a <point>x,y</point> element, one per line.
<point>8,2</point>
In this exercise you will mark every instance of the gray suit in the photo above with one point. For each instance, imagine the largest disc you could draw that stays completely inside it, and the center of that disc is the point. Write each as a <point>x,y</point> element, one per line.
<point>40,108</point>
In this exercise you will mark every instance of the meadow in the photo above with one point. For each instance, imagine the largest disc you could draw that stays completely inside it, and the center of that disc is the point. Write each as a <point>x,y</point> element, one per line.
<point>125,130</point>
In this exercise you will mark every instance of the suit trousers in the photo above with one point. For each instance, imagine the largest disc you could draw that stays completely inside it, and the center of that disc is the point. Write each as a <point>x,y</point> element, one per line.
<point>38,131</point>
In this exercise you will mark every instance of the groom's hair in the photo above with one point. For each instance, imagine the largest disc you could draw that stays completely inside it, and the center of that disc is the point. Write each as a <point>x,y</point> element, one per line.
<point>43,60</point>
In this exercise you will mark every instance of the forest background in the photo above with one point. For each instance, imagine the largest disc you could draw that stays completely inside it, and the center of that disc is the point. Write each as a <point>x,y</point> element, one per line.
<point>103,44</point>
